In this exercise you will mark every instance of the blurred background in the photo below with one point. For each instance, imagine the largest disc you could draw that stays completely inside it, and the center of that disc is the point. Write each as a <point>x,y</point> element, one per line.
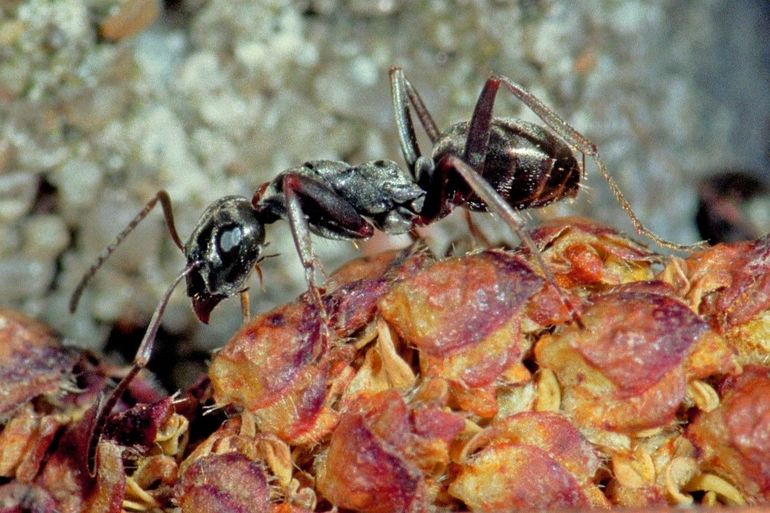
<point>104,102</point>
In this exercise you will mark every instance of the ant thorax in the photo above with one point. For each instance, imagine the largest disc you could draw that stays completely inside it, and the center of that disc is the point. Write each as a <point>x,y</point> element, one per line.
<point>379,190</point>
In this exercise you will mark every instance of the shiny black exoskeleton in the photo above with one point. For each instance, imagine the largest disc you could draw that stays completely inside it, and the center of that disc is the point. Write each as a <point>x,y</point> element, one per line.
<point>485,164</point>
<point>227,243</point>
<point>496,164</point>
<point>326,197</point>
<point>524,163</point>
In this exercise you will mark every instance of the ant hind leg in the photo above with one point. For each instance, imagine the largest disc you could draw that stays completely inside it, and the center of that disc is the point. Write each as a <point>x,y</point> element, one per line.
<point>578,141</point>
<point>400,84</point>
<point>498,205</point>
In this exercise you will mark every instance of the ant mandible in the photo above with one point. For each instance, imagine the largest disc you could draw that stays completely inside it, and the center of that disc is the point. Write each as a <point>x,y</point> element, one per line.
<point>486,164</point>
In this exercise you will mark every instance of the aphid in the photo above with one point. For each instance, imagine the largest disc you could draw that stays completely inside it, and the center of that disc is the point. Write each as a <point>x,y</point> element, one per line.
<point>496,164</point>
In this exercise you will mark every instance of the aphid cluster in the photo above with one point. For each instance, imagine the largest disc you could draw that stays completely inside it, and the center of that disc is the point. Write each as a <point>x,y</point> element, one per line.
<point>486,164</point>
<point>461,385</point>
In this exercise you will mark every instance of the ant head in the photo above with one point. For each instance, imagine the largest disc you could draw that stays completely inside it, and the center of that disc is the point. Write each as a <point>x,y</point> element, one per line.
<point>226,244</point>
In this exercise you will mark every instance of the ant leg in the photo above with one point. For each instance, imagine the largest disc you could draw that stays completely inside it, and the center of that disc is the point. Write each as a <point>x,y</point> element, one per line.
<point>409,147</point>
<point>331,207</point>
<point>245,305</point>
<point>582,144</point>
<point>478,138</point>
<point>402,89</point>
<point>105,405</point>
<point>168,215</point>
<point>479,126</point>
<point>496,204</point>
<point>400,84</point>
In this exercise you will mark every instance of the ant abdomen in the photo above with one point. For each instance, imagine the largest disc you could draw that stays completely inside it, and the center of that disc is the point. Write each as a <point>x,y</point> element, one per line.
<point>527,165</point>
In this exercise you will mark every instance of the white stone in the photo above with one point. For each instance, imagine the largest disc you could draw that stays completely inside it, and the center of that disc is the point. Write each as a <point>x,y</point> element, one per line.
<point>45,236</point>
<point>17,192</point>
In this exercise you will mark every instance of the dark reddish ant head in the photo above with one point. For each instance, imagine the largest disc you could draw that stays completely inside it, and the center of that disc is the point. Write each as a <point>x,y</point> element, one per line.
<point>226,243</point>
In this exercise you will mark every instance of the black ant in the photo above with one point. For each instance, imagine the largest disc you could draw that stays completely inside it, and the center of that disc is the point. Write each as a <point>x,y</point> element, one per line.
<point>486,164</point>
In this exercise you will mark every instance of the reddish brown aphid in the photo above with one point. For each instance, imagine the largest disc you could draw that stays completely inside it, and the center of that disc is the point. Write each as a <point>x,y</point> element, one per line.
<point>733,439</point>
<point>526,461</point>
<point>628,369</point>
<point>729,284</point>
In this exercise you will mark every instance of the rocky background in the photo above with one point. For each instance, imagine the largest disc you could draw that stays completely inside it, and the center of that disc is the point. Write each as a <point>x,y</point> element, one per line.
<point>104,102</point>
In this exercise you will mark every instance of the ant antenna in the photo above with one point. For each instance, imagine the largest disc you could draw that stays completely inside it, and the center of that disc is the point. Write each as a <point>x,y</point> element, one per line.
<point>168,215</point>
<point>106,404</point>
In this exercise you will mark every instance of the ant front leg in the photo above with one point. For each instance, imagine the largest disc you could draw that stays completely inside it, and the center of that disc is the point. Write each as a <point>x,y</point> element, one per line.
<point>142,357</point>
<point>578,141</point>
<point>331,214</point>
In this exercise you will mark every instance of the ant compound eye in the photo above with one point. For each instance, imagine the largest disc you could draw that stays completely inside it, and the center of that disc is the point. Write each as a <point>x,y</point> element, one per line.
<point>229,240</point>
